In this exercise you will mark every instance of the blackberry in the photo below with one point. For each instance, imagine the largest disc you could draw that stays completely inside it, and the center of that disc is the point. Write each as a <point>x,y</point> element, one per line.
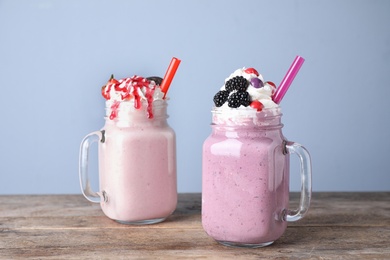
<point>239,98</point>
<point>238,83</point>
<point>244,98</point>
<point>234,100</point>
<point>220,98</point>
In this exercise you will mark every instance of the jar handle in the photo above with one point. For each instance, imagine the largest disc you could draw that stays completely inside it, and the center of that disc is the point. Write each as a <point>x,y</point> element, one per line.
<point>305,169</point>
<point>86,143</point>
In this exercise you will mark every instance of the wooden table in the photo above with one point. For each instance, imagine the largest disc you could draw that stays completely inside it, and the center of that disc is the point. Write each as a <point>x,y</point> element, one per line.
<point>338,226</point>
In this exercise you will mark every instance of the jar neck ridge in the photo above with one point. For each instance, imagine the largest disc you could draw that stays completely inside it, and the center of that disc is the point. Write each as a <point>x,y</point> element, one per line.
<point>248,119</point>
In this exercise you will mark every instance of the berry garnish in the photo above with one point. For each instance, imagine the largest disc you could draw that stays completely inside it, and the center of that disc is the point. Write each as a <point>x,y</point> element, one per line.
<point>105,94</point>
<point>220,98</point>
<point>251,71</point>
<point>113,80</point>
<point>257,83</point>
<point>270,83</point>
<point>239,98</point>
<point>238,83</point>
<point>244,98</point>
<point>234,100</point>
<point>273,86</point>
<point>106,88</point>
<point>257,105</point>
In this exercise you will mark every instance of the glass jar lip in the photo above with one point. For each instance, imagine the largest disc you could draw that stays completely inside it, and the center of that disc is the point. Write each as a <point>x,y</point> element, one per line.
<point>247,117</point>
<point>247,111</point>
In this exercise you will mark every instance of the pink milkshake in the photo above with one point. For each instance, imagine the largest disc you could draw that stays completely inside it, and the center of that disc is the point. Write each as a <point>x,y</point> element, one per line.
<point>137,166</point>
<point>245,181</point>
<point>137,152</point>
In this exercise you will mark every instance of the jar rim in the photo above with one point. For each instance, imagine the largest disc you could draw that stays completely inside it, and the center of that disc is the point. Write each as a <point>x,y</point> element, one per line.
<point>247,111</point>
<point>247,117</point>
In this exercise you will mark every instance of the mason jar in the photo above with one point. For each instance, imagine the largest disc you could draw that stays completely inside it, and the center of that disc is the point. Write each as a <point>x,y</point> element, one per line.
<point>245,178</point>
<point>137,164</point>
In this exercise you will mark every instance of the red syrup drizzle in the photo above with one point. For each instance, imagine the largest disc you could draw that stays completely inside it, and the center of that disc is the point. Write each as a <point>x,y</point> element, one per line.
<point>129,88</point>
<point>149,98</point>
<point>137,98</point>
<point>114,110</point>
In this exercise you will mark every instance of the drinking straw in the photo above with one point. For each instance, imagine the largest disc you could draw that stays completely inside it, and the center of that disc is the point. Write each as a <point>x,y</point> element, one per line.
<point>166,82</point>
<point>288,79</point>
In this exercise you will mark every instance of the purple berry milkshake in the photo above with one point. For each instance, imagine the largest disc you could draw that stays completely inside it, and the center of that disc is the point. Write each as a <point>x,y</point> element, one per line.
<point>245,164</point>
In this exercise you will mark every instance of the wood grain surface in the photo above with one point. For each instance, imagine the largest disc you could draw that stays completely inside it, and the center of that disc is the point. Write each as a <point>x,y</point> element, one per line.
<point>338,226</point>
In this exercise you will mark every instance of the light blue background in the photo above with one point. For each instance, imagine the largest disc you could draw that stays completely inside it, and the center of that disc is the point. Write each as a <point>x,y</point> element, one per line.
<point>55,56</point>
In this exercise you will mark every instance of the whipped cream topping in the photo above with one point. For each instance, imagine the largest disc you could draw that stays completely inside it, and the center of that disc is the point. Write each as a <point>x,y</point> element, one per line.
<point>245,98</point>
<point>258,90</point>
<point>126,95</point>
